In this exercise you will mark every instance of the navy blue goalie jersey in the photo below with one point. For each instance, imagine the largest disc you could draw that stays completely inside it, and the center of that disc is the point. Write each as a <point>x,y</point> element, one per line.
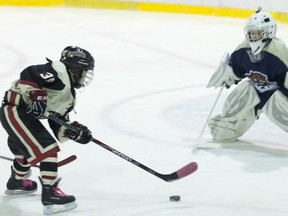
<point>268,73</point>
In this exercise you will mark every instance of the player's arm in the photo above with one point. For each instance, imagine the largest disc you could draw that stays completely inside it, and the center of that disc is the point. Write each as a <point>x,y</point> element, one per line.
<point>30,85</point>
<point>81,134</point>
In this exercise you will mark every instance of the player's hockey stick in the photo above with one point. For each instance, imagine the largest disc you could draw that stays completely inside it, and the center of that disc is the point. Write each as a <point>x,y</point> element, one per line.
<point>180,173</point>
<point>60,163</point>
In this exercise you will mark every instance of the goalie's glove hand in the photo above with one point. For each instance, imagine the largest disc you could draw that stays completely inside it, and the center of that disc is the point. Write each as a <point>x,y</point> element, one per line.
<point>38,103</point>
<point>224,75</point>
<point>82,134</point>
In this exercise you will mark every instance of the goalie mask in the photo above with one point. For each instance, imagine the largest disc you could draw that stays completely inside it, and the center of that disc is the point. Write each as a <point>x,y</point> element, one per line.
<point>260,29</point>
<point>79,64</point>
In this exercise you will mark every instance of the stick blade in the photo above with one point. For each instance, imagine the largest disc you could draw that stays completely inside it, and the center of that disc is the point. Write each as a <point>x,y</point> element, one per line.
<point>187,170</point>
<point>67,160</point>
<point>181,173</point>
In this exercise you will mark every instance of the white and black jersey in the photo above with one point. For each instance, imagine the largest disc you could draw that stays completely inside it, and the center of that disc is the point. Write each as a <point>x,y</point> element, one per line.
<point>27,135</point>
<point>52,77</point>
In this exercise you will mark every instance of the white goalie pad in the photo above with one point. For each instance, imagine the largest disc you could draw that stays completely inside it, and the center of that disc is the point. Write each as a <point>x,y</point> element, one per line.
<point>276,109</point>
<point>286,80</point>
<point>238,114</point>
<point>241,99</point>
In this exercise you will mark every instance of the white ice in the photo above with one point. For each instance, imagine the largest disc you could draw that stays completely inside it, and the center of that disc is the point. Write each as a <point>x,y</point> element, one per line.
<point>148,100</point>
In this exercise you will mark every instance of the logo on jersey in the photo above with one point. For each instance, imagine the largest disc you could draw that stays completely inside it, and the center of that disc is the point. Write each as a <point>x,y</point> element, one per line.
<point>260,81</point>
<point>42,97</point>
<point>48,77</point>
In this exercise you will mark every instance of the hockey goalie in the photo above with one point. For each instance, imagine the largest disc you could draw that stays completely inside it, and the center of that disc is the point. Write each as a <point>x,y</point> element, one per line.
<point>258,66</point>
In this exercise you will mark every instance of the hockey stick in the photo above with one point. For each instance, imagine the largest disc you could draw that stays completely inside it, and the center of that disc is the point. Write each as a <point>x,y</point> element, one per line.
<point>60,163</point>
<point>180,173</point>
<point>207,120</point>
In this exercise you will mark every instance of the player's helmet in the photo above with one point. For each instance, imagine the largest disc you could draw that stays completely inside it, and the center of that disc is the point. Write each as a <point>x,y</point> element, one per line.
<point>260,29</point>
<point>79,64</point>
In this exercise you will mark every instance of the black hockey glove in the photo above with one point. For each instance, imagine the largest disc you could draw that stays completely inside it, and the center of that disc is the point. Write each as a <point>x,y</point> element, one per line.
<point>83,134</point>
<point>38,103</point>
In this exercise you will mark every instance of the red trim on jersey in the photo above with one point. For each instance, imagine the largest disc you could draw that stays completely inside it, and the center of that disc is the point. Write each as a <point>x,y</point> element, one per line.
<point>21,132</point>
<point>42,156</point>
<point>12,98</point>
<point>25,82</point>
<point>36,151</point>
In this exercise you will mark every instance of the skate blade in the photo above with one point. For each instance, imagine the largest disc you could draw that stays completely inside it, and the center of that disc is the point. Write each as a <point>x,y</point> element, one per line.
<point>55,209</point>
<point>18,192</point>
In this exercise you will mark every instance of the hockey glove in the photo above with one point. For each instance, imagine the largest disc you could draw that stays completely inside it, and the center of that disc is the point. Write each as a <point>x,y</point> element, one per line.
<point>224,75</point>
<point>38,103</point>
<point>83,135</point>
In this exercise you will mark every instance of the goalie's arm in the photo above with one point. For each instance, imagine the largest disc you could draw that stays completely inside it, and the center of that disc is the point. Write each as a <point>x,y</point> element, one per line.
<point>224,75</point>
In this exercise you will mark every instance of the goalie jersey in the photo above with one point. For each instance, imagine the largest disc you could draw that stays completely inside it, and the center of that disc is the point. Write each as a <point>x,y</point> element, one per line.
<point>267,71</point>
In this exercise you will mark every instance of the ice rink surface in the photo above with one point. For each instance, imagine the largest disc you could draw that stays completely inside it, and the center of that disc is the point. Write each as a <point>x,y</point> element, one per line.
<point>148,100</point>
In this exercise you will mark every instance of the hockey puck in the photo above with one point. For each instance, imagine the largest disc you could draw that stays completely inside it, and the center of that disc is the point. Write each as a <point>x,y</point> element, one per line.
<point>174,198</point>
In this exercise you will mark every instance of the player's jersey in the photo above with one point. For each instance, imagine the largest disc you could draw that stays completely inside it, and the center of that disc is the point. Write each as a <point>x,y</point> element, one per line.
<point>266,75</point>
<point>52,77</point>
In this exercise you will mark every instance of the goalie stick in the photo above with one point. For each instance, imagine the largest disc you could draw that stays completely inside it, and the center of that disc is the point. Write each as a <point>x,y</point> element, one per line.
<point>180,173</point>
<point>60,163</point>
<point>197,143</point>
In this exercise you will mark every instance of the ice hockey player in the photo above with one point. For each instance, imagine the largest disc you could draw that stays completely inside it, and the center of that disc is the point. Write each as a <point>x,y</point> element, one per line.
<point>258,66</point>
<point>40,90</point>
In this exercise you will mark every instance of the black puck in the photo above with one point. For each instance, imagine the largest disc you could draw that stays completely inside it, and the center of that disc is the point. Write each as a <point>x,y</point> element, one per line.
<point>174,198</point>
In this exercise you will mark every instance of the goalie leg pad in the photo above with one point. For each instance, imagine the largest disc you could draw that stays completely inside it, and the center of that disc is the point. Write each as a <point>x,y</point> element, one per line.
<point>228,129</point>
<point>241,99</point>
<point>238,114</point>
<point>276,109</point>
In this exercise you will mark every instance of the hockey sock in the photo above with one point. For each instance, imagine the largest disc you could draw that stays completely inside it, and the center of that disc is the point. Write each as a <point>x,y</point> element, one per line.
<point>48,169</point>
<point>20,169</point>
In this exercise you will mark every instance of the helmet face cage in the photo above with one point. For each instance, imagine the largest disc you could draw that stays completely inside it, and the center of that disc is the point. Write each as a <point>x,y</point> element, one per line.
<point>86,78</point>
<point>260,27</point>
<point>79,64</point>
<point>254,34</point>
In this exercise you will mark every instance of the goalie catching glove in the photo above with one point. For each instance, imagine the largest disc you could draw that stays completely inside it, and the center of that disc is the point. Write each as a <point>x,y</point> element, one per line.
<point>81,134</point>
<point>38,103</point>
<point>224,74</point>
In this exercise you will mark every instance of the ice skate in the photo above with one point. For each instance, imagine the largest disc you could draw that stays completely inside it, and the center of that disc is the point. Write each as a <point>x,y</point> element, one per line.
<point>23,186</point>
<point>54,200</point>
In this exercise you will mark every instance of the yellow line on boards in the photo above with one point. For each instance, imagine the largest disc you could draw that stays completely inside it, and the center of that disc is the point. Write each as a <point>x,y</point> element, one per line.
<point>144,6</point>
